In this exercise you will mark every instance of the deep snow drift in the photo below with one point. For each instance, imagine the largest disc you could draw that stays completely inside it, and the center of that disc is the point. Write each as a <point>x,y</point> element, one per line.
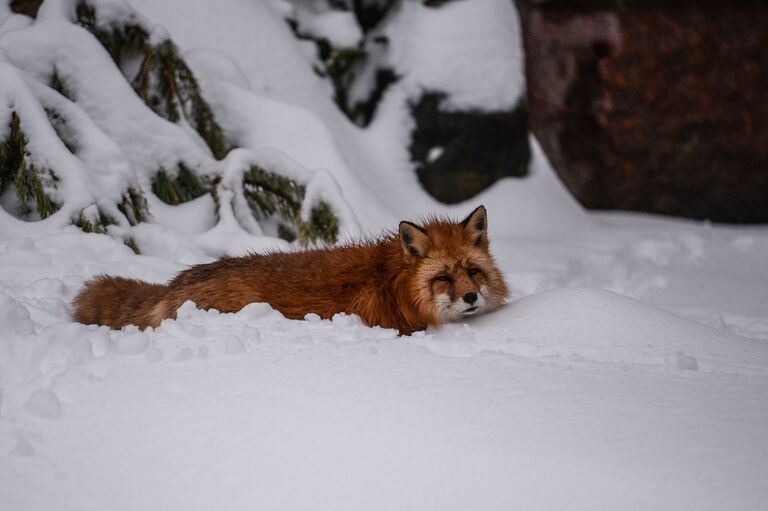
<point>629,371</point>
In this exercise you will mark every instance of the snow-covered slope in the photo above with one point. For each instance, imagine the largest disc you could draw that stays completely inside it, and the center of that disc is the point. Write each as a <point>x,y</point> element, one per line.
<point>629,371</point>
<point>573,398</point>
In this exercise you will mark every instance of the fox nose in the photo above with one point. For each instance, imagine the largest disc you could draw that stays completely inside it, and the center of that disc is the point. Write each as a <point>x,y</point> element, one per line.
<point>470,298</point>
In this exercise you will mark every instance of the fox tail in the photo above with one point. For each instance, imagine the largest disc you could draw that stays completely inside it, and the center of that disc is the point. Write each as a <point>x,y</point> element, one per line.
<point>116,302</point>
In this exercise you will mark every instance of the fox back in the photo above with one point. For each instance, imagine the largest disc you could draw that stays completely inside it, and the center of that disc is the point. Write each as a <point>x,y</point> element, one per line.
<point>427,274</point>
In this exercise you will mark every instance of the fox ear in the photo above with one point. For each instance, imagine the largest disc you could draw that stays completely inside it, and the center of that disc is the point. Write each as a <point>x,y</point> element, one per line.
<point>414,239</point>
<point>476,226</point>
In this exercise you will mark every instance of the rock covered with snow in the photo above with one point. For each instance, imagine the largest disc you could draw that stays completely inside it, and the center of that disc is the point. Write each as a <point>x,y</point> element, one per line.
<point>451,73</point>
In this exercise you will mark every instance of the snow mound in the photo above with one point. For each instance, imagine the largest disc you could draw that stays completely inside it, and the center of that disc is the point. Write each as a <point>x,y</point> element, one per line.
<point>14,318</point>
<point>577,389</point>
<point>591,325</point>
<point>44,403</point>
<point>476,41</point>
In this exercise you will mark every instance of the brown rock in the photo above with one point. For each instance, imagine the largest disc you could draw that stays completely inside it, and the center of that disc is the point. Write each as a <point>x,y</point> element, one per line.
<point>657,107</point>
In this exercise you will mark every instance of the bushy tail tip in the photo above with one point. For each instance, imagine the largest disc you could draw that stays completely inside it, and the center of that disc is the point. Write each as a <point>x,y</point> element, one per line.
<point>117,302</point>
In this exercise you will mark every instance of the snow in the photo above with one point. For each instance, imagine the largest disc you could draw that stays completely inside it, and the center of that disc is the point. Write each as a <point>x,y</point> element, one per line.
<point>573,397</point>
<point>629,370</point>
<point>356,417</point>
<point>44,403</point>
<point>595,323</point>
<point>477,40</point>
<point>338,27</point>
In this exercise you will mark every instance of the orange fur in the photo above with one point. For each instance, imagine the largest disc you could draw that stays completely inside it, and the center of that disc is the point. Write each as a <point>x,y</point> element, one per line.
<point>423,275</point>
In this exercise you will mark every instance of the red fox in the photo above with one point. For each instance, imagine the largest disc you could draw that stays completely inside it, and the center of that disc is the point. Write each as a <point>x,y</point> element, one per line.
<point>424,275</point>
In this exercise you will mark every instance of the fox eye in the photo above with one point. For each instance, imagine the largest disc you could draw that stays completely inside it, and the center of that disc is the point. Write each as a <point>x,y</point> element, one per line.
<point>473,271</point>
<point>443,278</point>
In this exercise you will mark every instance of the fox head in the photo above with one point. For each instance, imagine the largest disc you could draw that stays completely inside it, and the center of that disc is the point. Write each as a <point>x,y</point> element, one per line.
<point>453,273</point>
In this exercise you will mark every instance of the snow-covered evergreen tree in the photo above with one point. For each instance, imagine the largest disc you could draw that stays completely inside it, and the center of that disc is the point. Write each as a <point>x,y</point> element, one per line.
<point>102,120</point>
